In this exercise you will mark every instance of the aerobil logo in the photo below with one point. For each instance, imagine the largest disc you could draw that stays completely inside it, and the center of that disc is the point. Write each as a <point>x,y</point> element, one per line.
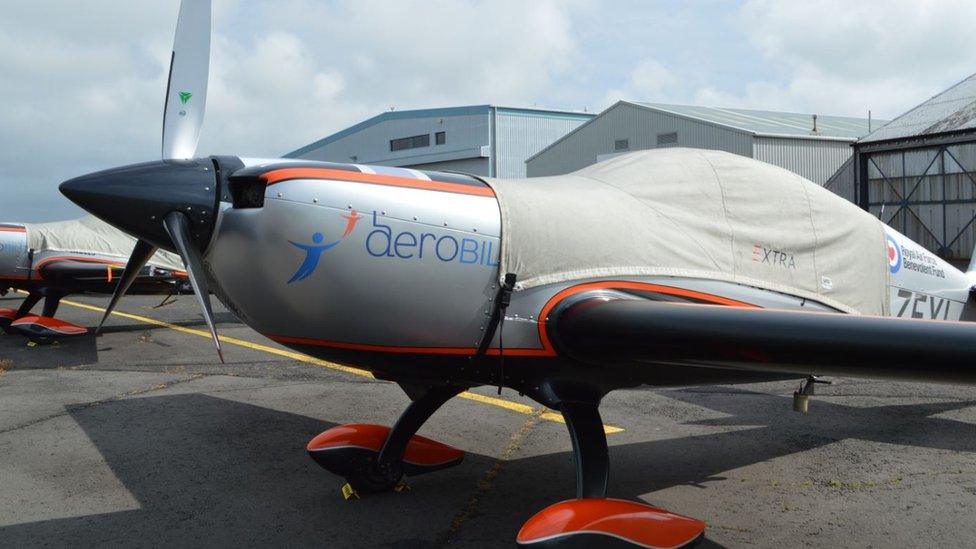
<point>313,252</point>
<point>384,242</point>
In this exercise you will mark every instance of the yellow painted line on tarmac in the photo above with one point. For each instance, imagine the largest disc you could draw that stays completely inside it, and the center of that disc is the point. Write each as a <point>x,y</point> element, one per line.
<point>524,409</point>
<point>226,339</point>
<point>548,415</point>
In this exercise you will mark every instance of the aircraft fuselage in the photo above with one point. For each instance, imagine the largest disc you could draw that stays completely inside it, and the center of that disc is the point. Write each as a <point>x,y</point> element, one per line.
<point>395,271</point>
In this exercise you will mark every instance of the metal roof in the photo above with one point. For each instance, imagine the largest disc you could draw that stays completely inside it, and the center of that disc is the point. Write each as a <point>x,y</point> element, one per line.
<point>951,110</point>
<point>427,113</point>
<point>772,123</point>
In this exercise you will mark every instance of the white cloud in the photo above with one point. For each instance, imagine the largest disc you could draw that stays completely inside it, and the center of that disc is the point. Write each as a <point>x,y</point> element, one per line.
<point>421,53</point>
<point>83,83</point>
<point>648,81</point>
<point>847,57</point>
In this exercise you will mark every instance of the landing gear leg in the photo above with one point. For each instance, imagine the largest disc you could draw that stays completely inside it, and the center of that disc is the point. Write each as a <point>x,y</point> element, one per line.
<point>592,519</point>
<point>51,303</point>
<point>27,304</point>
<point>589,448</point>
<point>7,316</point>
<point>374,458</point>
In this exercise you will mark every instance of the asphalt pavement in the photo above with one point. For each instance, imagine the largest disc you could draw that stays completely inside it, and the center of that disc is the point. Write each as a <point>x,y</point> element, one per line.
<point>141,437</point>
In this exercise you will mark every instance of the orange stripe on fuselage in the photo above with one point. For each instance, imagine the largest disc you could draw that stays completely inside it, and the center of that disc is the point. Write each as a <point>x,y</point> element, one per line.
<point>626,285</point>
<point>401,349</point>
<point>285,174</point>
<point>547,349</point>
<point>84,259</point>
<point>13,230</point>
<point>79,259</point>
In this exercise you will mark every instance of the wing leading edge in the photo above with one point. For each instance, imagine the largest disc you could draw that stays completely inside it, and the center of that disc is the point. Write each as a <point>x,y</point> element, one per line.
<point>615,331</point>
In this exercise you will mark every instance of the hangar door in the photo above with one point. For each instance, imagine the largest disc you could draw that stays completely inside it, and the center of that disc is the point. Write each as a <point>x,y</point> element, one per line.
<point>928,194</point>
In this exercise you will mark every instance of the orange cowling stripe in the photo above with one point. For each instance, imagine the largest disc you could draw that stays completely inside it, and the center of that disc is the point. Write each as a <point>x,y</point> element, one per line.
<point>7,313</point>
<point>635,522</point>
<point>625,285</point>
<point>284,174</point>
<point>463,351</point>
<point>80,259</point>
<point>547,349</point>
<point>420,450</point>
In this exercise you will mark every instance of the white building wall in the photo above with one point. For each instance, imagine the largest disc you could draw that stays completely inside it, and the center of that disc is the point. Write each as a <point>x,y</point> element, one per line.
<point>641,127</point>
<point>473,166</point>
<point>814,159</point>
<point>466,135</point>
<point>520,134</point>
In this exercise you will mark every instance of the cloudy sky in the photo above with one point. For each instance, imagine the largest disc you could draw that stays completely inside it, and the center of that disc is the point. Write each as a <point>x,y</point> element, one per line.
<point>82,81</point>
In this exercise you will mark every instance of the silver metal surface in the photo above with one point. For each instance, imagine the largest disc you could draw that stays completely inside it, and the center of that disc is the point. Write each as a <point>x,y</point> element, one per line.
<point>13,254</point>
<point>365,289</point>
<point>923,285</point>
<point>186,97</point>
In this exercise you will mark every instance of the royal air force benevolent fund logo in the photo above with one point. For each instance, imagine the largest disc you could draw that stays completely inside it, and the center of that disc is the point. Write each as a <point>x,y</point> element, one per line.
<point>894,255</point>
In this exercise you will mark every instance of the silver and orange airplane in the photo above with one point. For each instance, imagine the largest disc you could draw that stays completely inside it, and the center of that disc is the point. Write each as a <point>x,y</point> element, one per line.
<point>660,268</point>
<point>52,260</point>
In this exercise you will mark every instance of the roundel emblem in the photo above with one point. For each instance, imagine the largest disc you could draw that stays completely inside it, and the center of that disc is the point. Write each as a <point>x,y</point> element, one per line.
<point>894,255</point>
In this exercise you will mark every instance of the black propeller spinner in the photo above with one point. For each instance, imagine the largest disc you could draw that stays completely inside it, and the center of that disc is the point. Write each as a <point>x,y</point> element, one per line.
<point>169,204</point>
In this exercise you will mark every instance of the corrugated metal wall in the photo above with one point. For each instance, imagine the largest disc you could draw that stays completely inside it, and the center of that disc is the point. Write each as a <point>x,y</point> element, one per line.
<point>466,135</point>
<point>520,134</point>
<point>814,159</point>
<point>640,126</point>
<point>473,166</point>
<point>842,183</point>
<point>939,185</point>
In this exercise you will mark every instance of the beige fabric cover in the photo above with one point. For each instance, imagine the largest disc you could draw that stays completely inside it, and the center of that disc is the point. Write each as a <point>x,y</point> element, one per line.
<point>694,213</point>
<point>90,234</point>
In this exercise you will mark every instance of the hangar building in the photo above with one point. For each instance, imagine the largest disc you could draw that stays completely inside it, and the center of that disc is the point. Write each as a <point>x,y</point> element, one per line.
<point>812,146</point>
<point>918,172</point>
<point>483,140</point>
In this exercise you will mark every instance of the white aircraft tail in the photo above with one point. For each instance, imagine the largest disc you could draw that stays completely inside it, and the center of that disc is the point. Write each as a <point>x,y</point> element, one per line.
<point>971,270</point>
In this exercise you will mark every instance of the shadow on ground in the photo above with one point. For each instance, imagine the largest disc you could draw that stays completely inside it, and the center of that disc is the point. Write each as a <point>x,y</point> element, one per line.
<point>210,471</point>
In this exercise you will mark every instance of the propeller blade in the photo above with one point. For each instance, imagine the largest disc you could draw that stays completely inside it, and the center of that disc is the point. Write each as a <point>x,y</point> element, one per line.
<point>140,255</point>
<point>178,227</point>
<point>186,91</point>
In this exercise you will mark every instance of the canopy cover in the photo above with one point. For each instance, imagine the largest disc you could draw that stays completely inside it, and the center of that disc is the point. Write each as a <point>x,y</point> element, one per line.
<point>92,235</point>
<point>694,213</point>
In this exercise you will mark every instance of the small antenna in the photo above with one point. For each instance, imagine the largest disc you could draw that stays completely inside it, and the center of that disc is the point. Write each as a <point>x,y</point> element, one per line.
<point>869,120</point>
<point>814,123</point>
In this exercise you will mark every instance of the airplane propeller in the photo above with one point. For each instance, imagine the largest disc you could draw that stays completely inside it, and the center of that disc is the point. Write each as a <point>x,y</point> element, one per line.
<point>177,190</point>
<point>178,227</point>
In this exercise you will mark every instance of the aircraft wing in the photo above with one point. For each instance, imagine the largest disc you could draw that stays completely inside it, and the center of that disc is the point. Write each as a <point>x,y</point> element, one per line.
<point>79,270</point>
<point>84,270</point>
<point>603,330</point>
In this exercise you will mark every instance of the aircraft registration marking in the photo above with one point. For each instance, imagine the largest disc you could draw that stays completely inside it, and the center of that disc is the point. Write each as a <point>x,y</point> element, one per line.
<point>910,304</point>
